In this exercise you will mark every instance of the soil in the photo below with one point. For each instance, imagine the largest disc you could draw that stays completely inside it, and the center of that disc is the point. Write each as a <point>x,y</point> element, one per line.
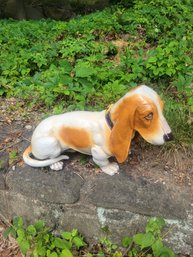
<point>169,163</point>
<point>8,246</point>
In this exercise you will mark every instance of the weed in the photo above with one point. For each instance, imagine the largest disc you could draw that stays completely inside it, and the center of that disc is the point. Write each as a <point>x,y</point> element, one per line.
<point>37,241</point>
<point>13,156</point>
<point>149,243</point>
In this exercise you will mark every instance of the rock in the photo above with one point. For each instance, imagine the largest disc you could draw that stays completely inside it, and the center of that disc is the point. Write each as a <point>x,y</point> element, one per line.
<point>15,9</point>
<point>46,186</point>
<point>34,13</point>
<point>28,127</point>
<point>4,162</point>
<point>138,195</point>
<point>58,10</point>
<point>59,13</point>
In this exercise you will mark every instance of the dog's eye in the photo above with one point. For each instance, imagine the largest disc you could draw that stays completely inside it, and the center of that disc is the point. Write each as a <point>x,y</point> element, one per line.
<point>149,116</point>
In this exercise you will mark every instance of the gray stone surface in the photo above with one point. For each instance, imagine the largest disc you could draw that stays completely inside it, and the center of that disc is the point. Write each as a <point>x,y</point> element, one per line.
<point>138,195</point>
<point>78,197</point>
<point>4,162</point>
<point>44,185</point>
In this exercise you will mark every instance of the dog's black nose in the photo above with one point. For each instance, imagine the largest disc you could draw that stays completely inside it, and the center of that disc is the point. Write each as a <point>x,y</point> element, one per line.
<point>168,137</point>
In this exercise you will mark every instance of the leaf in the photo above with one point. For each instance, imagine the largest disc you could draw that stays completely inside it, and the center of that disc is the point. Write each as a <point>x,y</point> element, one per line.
<point>156,247</point>
<point>62,243</point>
<point>66,66</point>
<point>61,89</point>
<point>89,255</point>
<point>53,254</point>
<point>9,231</point>
<point>78,242</point>
<point>66,253</point>
<point>25,71</point>
<point>126,241</point>
<point>66,235</point>
<point>166,252</point>
<point>20,234</point>
<point>155,225</point>
<point>114,246</point>
<point>39,225</point>
<point>39,250</point>
<point>18,222</point>
<point>117,254</point>
<point>46,237</point>
<point>66,80</point>
<point>2,90</point>
<point>144,240</point>
<point>31,230</point>
<point>152,59</point>
<point>83,70</point>
<point>24,246</point>
<point>74,232</point>
<point>100,254</point>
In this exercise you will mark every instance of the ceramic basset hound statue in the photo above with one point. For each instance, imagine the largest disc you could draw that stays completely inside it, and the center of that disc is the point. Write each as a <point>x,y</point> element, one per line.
<point>100,134</point>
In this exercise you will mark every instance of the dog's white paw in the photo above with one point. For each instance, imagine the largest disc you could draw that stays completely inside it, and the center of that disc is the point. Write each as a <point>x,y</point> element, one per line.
<point>111,169</point>
<point>57,166</point>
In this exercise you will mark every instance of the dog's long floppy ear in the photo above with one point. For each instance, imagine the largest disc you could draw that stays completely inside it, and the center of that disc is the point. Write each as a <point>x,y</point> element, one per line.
<point>122,132</point>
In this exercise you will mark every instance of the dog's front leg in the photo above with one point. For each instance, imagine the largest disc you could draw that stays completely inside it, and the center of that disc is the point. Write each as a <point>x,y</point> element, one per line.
<point>101,159</point>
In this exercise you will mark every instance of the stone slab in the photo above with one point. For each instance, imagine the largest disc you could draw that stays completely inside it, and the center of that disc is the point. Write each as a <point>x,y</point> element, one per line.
<point>45,185</point>
<point>122,204</point>
<point>137,194</point>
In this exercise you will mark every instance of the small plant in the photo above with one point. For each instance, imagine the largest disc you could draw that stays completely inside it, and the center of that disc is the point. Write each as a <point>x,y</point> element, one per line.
<point>150,243</point>
<point>36,240</point>
<point>108,245</point>
<point>13,156</point>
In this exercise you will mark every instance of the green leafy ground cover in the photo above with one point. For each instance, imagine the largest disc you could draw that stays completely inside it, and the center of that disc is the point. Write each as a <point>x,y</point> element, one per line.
<point>36,240</point>
<point>91,61</point>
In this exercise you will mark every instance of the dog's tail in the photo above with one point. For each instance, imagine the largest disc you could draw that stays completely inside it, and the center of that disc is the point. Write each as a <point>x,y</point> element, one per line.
<point>40,163</point>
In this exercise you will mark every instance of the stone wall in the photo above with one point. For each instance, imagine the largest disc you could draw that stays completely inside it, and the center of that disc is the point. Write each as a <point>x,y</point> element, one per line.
<point>79,197</point>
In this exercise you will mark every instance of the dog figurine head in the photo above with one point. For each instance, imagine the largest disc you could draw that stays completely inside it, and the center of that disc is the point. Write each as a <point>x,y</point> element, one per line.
<point>141,109</point>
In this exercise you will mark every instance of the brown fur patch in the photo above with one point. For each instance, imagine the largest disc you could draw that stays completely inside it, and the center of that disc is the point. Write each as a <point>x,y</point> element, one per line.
<point>121,135</point>
<point>75,137</point>
<point>129,117</point>
<point>27,151</point>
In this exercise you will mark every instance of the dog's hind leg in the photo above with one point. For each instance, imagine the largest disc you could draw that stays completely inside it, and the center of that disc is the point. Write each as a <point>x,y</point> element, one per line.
<point>48,148</point>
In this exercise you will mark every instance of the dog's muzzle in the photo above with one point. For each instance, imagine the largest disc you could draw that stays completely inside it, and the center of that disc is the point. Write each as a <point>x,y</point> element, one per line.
<point>168,137</point>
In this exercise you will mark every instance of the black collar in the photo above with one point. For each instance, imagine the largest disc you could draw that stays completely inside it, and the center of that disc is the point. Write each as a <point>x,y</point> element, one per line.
<point>108,119</point>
